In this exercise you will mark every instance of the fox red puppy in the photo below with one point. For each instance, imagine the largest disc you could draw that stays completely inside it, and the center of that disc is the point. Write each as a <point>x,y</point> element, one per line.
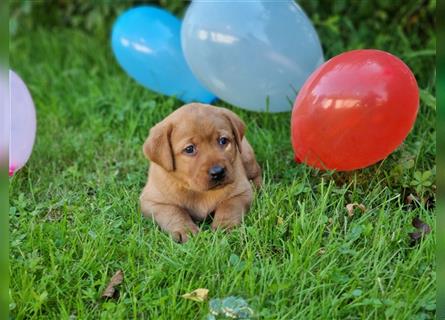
<point>201,164</point>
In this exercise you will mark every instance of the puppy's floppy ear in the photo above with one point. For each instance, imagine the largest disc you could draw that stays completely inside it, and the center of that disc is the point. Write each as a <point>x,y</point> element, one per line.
<point>238,126</point>
<point>157,148</point>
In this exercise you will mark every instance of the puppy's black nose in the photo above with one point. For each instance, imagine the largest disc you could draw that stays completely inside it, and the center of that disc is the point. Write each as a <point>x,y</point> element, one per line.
<point>217,173</point>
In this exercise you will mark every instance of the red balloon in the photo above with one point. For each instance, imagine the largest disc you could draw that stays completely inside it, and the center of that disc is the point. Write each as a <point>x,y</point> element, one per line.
<point>354,110</point>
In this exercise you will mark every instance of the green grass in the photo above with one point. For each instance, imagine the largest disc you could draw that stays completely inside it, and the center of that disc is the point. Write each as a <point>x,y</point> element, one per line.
<point>74,216</point>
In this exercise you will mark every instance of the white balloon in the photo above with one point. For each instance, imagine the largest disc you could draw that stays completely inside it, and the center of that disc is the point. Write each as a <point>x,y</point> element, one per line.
<point>253,54</point>
<point>22,123</point>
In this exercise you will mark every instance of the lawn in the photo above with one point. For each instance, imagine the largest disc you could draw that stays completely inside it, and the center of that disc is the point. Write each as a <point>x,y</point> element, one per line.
<point>74,216</point>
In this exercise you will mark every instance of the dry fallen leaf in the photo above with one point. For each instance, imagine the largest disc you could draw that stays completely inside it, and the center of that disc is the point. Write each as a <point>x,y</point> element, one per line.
<point>419,224</point>
<point>280,220</point>
<point>423,229</point>
<point>411,198</point>
<point>198,295</point>
<point>429,201</point>
<point>351,206</point>
<point>110,291</point>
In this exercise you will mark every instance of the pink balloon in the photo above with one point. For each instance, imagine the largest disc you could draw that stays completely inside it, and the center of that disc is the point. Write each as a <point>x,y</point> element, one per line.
<point>4,117</point>
<point>22,125</point>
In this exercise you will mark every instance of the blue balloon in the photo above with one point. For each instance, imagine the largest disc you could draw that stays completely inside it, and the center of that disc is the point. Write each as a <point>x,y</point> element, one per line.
<point>253,54</point>
<point>146,43</point>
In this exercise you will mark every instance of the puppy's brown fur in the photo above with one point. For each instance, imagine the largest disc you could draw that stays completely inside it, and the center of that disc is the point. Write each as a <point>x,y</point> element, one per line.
<point>179,189</point>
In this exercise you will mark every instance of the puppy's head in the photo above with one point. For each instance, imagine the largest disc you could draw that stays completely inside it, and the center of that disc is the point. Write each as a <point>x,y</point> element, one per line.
<point>198,144</point>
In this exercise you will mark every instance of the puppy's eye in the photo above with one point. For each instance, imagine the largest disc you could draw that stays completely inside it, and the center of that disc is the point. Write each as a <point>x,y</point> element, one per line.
<point>223,141</point>
<point>190,149</point>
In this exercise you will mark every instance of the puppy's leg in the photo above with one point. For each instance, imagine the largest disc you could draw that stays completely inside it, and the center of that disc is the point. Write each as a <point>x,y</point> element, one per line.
<point>230,212</point>
<point>173,220</point>
<point>251,166</point>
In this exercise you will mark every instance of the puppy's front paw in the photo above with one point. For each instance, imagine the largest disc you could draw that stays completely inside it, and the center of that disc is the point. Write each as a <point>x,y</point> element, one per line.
<point>181,235</point>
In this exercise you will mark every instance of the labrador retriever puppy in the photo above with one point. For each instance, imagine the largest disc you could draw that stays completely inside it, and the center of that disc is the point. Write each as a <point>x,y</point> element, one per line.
<point>201,164</point>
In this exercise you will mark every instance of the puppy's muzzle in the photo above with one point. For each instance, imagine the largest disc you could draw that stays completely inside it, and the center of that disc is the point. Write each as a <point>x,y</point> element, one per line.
<point>217,173</point>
